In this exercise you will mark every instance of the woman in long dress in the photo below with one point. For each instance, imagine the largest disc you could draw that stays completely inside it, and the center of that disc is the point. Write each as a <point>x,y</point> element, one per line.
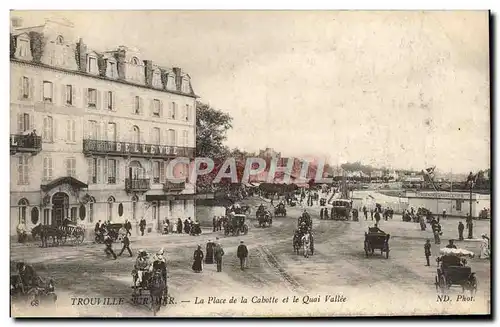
<point>485,247</point>
<point>198,259</point>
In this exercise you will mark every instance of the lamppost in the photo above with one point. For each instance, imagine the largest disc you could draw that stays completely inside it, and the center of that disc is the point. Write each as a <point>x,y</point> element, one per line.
<point>471,182</point>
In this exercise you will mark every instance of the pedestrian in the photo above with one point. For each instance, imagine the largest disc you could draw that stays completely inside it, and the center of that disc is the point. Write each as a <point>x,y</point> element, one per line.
<point>242,254</point>
<point>371,213</point>
<point>437,240</point>
<point>179,226</point>
<point>365,212</point>
<point>198,259</point>
<point>142,226</point>
<point>321,213</point>
<point>209,258</point>
<point>126,245</point>
<point>219,253</point>
<point>187,226</point>
<point>451,245</point>
<point>485,247</point>
<point>469,226</point>
<point>427,250</point>
<point>461,228</point>
<point>214,223</point>
<point>109,242</point>
<point>128,227</point>
<point>326,213</point>
<point>444,214</point>
<point>97,227</point>
<point>377,217</point>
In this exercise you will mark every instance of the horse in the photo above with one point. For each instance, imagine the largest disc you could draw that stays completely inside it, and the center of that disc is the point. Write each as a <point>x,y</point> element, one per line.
<point>306,243</point>
<point>297,243</point>
<point>157,290</point>
<point>45,232</point>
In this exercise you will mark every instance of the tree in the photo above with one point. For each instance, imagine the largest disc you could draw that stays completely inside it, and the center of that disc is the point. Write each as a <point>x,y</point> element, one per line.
<point>211,127</point>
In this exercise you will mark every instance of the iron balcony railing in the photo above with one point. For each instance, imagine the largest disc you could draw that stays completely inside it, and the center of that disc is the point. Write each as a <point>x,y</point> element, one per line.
<point>93,147</point>
<point>137,185</point>
<point>25,143</point>
<point>173,187</point>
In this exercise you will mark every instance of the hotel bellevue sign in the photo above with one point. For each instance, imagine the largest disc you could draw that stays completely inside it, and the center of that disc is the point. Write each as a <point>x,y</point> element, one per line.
<point>443,195</point>
<point>125,148</point>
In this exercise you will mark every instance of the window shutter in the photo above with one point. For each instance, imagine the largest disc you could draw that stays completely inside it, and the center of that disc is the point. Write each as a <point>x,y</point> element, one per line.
<point>20,123</point>
<point>118,168</point>
<point>32,122</point>
<point>162,171</point>
<point>103,130</point>
<point>73,131</point>
<point>68,166</point>
<point>20,97</point>
<point>149,172</point>
<point>45,168</point>
<point>55,129</point>
<point>151,107</point>
<point>105,100</point>
<point>41,91</point>
<point>117,132</point>
<point>55,92</point>
<point>161,109</point>
<point>113,97</point>
<point>98,99</point>
<point>63,95</point>
<point>50,168</point>
<point>85,97</point>
<point>32,88</point>
<point>30,169</point>
<point>105,171</point>
<point>68,130</point>
<point>141,105</point>
<point>89,170</point>
<point>73,95</point>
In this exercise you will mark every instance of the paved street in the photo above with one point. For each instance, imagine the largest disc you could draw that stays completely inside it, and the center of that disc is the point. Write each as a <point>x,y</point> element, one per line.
<point>400,284</point>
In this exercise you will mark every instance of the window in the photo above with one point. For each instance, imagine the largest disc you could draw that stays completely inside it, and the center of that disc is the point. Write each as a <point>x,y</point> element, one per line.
<point>59,40</point>
<point>170,82</point>
<point>156,135</point>
<point>48,126</point>
<point>111,171</point>
<point>92,98</point>
<point>74,212</point>
<point>111,202</point>
<point>22,169</point>
<point>70,130</point>
<point>47,169</point>
<point>109,98</point>
<point>157,79</point>
<point>156,171</point>
<point>23,205</point>
<point>172,137</point>
<point>26,87</point>
<point>93,170</point>
<point>23,122</point>
<point>71,167</point>
<point>46,217</point>
<point>47,91</point>
<point>137,105</point>
<point>69,94</point>
<point>172,108</point>
<point>136,136</point>
<point>184,138</point>
<point>186,113</point>
<point>111,69</point>
<point>185,86</point>
<point>154,212</point>
<point>156,107</point>
<point>459,205</point>
<point>135,61</point>
<point>23,47</point>
<point>112,132</point>
<point>94,130</point>
<point>92,65</point>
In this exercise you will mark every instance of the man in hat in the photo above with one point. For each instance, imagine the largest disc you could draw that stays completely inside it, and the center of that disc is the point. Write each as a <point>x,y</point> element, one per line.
<point>159,262</point>
<point>142,226</point>
<point>141,265</point>
<point>109,242</point>
<point>242,254</point>
<point>219,252</point>
<point>209,258</point>
<point>427,251</point>
<point>451,245</point>
<point>461,228</point>
<point>128,227</point>
<point>126,245</point>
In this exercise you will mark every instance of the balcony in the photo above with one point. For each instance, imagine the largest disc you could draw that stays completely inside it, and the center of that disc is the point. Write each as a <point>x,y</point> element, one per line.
<point>25,143</point>
<point>124,149</point>
<point>173,187</point>
<point>137,185</point>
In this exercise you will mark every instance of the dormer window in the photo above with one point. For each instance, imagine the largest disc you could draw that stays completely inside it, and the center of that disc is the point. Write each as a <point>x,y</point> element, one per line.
<point>170,82</point>
<point>59,40</point>
<point>111,70</point>
<point>135,61</point>
<point>157,78</point>
<point>23,48</point>
<point>185,86</point>
<point>92,65</point>
<point>136,70</point>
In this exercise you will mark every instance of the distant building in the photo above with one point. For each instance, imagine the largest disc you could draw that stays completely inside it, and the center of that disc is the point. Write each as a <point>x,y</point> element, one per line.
<point>455,203</point>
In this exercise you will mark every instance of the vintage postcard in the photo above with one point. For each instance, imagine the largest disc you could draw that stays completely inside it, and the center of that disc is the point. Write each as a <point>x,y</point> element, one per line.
<point>249,163</point>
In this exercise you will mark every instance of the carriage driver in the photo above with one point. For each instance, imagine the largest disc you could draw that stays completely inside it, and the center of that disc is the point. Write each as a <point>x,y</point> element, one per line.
<point>159,261</point>
<point>141,265</point>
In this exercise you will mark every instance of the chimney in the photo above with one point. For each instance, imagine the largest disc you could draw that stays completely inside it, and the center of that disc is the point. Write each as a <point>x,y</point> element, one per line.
<point>178,77</point>
<point>120,55</point>
<point>148,71</point>
<point>16,22</point>
<point>81,55</point>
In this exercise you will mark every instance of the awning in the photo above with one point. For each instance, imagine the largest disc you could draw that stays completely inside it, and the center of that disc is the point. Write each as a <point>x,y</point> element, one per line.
<point>63,180</point>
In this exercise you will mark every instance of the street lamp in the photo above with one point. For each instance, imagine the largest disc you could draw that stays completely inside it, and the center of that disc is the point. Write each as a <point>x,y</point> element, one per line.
<point>471,182</point>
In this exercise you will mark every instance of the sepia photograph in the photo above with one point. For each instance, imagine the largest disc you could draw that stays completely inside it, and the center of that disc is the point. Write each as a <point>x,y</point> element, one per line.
<point>246,163</point>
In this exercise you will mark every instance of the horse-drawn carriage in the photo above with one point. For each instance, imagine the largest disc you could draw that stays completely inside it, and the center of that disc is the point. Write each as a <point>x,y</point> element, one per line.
<point>423,212</point>
<point>306,243</point>
<point>280,210</point>
<point>59,234</point>
<point>341,210</point>
<point>453,270</point>
<point>376,239</point>
<point>116,231</point>
<point>235,224</point>
<point>153,283</point>
<point>264,216</point>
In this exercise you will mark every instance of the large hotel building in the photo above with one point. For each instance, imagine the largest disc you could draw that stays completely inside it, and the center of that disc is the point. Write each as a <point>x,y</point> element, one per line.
<point>92,132</point>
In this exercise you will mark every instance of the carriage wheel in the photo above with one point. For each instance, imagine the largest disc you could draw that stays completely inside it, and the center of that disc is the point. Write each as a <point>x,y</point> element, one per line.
<point>442,284</point>
<point>473,286</point>
<point>436,283</point>
<point>245,230</point>
<point>367,248</point>
<point>387,253</point>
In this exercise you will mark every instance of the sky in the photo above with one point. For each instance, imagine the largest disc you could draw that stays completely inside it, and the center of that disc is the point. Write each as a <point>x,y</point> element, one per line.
<point>393,89</point>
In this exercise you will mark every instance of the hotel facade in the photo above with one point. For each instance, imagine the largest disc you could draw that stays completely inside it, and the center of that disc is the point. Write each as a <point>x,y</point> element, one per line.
<point>92,132</point>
